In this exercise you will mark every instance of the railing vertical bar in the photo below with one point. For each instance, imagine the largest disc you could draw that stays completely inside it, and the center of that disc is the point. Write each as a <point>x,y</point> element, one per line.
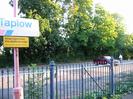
<point>24,81</point>
<point>76,82</point>
<point>33,76</point>
<point>111,78</point>
<point>82,75</point>
<point>73,80</point>
<point>2,73</point>
<point>99,68</point>
<point>79,81</point>
<point>42,78</point>
<point>56,75</point>
<point>38,77</point>
<point>93,75</point>
<point>63,82</point>
<point>103,83</point>
<point>108,77</point>
<point>97,79</point>
<point>36,84</point>
<point>106,83</point>
<point>89,78</point>
<point>85,79</point>
<point>104,79</point>
<point>120,76</point>
<point>67,88</point>
<point>52,66</point>
<point>117,76</point>
<point>28,82</point>
<point>8,82</point>
<point>97,72</point>
<point>107,74</point>
<point>70,82</point>
<point>47,82</point>
<point>60,81</point>
<point>121,69</point>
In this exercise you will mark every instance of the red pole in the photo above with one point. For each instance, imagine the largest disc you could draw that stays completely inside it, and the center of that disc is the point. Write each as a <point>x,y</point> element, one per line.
<point>17,90</point>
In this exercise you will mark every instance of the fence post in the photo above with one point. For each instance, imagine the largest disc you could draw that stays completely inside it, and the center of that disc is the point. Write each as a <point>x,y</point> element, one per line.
<point>82,81</point>
<point>111,74</point>
<point>52,79</point>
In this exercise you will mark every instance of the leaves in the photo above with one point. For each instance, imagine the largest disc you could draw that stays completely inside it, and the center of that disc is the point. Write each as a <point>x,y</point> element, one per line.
<point>74,28</point>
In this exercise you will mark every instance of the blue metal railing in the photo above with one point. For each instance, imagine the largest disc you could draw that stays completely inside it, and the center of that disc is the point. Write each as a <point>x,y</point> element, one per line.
<point>68,81</point>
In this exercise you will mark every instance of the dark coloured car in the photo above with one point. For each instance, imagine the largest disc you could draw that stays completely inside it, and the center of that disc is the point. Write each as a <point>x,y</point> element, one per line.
<point>105,60</point>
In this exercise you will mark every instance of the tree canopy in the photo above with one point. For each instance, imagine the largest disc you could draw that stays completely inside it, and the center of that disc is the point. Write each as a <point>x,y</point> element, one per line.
<point>74,30</point>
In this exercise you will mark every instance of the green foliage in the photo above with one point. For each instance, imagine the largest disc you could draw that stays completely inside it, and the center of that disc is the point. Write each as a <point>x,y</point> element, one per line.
<point>49,14</point>
<point>34,84</point>
<point>32,66</point>
<point>73,30</point>
<point>128,46</point>
<point>99,95</point>
<point>126,85</point>
<point>6,61</point>
<point>103,35</point>
<point>94,95</point>
<point>34,88</point>
<point>116,97</point>
<point>6,58</point>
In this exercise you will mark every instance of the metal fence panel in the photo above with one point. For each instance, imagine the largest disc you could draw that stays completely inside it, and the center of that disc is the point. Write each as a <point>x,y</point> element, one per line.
<point>69,81</point>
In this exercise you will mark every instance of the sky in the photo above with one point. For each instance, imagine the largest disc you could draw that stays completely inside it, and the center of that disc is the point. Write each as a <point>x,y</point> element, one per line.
<point>123,7</point>
<point>5,9</point>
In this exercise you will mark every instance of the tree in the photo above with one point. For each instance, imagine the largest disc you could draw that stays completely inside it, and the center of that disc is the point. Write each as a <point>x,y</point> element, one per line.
<point>120,29</point>
<point>49,13</point>
<point>103,35</point>
<point>71,29</point>
<point>79,25</point>
<point>128,46</point>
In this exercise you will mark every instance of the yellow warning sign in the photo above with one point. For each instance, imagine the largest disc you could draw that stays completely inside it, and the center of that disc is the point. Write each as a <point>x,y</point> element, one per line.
<point>16,42</point>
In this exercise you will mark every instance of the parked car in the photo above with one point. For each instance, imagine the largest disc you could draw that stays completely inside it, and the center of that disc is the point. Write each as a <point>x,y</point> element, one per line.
<point>105,60</point>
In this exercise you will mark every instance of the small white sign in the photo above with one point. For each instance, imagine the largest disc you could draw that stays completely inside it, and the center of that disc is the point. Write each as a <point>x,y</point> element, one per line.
<point>19,27</point>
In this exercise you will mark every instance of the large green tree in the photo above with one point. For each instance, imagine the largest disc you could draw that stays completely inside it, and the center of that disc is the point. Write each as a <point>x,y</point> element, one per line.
<point>103,35</point>
<point>120,29</point>
<point>50,14</point>
<point>128,46</point>
<point>72,29</point>
<point>79,26</point>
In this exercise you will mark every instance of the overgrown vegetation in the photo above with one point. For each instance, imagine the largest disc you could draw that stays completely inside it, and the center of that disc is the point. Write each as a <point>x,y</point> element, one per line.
<point>123,87</point>
<point>97,95</point>
<point>37,82</point>
<point>33,88</point>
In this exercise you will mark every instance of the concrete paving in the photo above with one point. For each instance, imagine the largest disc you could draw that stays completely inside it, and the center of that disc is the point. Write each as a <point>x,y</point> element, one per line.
<point>129,96</point>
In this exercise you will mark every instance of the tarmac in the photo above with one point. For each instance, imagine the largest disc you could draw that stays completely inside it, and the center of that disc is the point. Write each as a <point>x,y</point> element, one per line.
<point>129,96</point>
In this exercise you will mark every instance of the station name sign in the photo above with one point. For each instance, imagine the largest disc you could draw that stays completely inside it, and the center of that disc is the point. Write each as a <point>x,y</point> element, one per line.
<point>19,27</point>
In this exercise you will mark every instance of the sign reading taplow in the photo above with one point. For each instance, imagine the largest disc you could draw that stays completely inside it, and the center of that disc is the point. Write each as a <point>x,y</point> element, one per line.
<point>19,27</point>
